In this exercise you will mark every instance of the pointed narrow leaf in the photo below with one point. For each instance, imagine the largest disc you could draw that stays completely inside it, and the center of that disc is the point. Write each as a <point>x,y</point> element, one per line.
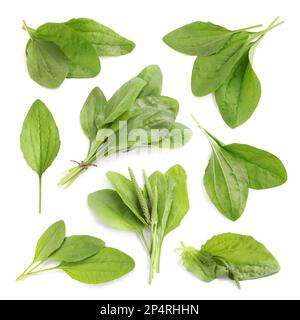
<point>107,265</point>
<point>46,63</point>
<point>77,248</point>
<point>108,205</point>
<point>50,241</point>
<point>105,41</point>
<point>264,169</point>
<point>198,38</point>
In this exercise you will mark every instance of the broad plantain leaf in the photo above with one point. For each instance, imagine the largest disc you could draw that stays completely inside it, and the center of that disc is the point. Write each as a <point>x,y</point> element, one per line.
<point>77,248</point>
<point>105,41</point>
<point>248,258</point>
<point>50,241</point>
<point>46,63</point>
<point>108,205</point>
<point>82,57</point>
<point>198,38</point>
<point>107,265</point>
<point>264,169</point>
<point>153,76</point>
<point>239,95</point>
<point>210,72</point>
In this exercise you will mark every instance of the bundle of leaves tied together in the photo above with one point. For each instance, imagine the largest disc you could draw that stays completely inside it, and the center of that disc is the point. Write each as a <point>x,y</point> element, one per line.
<point>83,258</point>
<point>238,256</point>
<point>223,66</point>
<point>233,169</point>
<point>152,211</point>
<point>71,49</point>
<point>139,105</point>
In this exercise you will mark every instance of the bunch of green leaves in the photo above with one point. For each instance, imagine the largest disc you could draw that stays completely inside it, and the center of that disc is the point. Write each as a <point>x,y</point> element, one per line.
<point>140,105</point>
<point>40,141</point>
<point>238,256</point>
<point>224,66</point>
<point>71,49</point>
<point>233,169</point>
<point>83,258</point>
<point>151,212</point>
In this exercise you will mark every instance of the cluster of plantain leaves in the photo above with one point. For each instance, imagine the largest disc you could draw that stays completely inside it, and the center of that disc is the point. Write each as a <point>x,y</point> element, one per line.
<point>71,49</point>
<point>84,258</point>
<point>139,106</point>
<point>238,256</point>
<point>152,211</point>
<point>223,66</point>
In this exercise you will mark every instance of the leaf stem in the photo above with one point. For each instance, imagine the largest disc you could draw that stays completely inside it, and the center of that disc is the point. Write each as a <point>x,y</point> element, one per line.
<point>40,193</point>
<point>43,270</point>
<point>250,28</point>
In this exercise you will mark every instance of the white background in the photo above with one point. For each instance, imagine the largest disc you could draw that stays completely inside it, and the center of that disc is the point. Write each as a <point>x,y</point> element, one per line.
<point>271,216</point>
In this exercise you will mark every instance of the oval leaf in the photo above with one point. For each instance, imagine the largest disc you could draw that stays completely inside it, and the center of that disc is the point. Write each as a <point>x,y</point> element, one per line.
<point>107,265</point>
<point>77,248</point>
<point>50,241</point>
<point>153,76</point>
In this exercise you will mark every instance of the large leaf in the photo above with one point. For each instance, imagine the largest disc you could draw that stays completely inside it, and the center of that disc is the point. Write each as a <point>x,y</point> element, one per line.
<point>239,95</point>
<point>107,265</point>
<point>123,99</point>
<point>264,169</point>
<point>153,76</point>
<point>83,59</point>
<point>210,72</point>
<point>105,41</point>
<point>198,38</point>
<point>226,182</point>
<point>108,205</point>
<point>77,248</point>
<point>248,258</point>
<point>50,241</point>
<point>46,63</point>
<point>39,138</point>
<point>93,113</point>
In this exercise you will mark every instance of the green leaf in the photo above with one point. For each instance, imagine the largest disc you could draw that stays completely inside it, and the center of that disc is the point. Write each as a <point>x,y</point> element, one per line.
<point>93,113</point>
<point>239,95</point>
<point>248,258</point>
<point>201,265</point>
<point>210,72</point>
<point>180,200</point>
<point>107,265</point>
<point>198,38</point>
<point>108,205</point>
<point>77,248</point>
<point>264,169</point>
<point>39,139</point>
<point>123,99</point>
<point>46,63</point>
<point>179,136</point>
<point>105,41</point>
<point>50,241</point>
<point>125,189</point>
<point>82,57</point>
<point>153,76</point>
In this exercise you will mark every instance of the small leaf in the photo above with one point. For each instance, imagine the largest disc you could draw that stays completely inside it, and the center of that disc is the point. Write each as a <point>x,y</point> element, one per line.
<point>105,41</point>
<point>198,38</point>
<point>77,248</point>
<point>108,205</point>
<point>50,241</point>
<point>179,136</point>
<point>209,73</point>
<point>239,95</point>
<point>123,99</point>
<point>248,258</point>
<point>92,113</point>
<point>47,65</point>
<point>83,59</point>
<point>264,169</point>
<point>153,76</point>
